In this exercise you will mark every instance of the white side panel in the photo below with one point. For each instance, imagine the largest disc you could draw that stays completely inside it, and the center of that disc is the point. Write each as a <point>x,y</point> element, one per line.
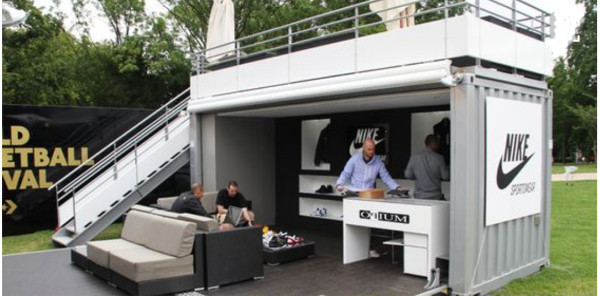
<point>462,32</point>
<point>150,160</point>
<point>415,261</point>
<point>330,60</point>
<point>268,72</point>
<point>497,44</point>
<point>424,42</point>
<point>530,54</point>
<point>217,82</point>
<point>105,190</point>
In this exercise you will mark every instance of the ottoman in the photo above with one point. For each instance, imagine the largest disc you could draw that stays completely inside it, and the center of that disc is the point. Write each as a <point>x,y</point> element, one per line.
<point>302,251</point>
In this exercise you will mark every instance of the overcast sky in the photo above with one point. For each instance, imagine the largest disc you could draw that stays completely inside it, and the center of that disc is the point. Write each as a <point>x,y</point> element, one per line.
<point>568,14</point>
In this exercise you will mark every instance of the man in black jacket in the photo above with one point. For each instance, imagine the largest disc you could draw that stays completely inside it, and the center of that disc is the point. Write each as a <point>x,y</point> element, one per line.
<point>189,202</point>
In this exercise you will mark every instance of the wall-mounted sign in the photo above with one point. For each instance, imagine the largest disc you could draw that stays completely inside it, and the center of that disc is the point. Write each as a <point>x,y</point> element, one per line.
<point>513,160</point>
<point>378,133</point>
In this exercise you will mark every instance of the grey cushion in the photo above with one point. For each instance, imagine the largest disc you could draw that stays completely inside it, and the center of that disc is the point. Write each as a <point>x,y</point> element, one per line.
<point>138,226</point>
<point>170,236</point>
<point>202,223</point>
<point>209,201</point>
<point>99,251</point>
<point>167,214</point>
<point>166,202</point>
<point>142,208</point>
<point>144,265</point>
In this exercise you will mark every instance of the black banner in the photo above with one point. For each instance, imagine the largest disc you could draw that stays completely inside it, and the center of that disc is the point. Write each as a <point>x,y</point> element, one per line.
<point>40,145</point>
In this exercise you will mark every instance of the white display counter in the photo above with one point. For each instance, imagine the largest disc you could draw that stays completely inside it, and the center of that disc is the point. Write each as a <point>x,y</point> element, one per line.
<point>425,224</point>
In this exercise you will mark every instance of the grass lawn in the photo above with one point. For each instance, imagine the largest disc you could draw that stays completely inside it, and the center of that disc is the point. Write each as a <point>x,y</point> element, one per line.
<point>558,168</point>
<point>572,246</point>
<point>42,240</point>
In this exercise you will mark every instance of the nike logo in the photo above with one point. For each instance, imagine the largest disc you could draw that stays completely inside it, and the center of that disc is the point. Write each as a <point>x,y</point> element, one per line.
<point>353,149</point>
<point>503,180</point>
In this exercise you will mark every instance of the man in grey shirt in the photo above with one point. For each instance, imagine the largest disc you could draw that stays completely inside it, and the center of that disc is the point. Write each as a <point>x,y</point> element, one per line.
<point>428,169</point>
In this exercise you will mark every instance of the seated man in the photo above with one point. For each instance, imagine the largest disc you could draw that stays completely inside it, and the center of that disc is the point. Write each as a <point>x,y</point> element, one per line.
<point>189,202</point>
<point>230,196</point>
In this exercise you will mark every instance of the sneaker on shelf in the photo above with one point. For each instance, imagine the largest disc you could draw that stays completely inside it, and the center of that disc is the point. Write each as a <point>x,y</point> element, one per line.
<point>295,240</point>
<point>374,254</point>
<point>317,213</point>
<point>323,212</point>
<point>321,189</point>
<point>329,189</point>
<point>276,244</point>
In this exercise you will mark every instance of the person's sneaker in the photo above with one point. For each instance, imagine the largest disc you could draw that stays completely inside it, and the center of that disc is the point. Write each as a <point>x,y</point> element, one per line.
<point>321,189</point>
<point>374,254</point>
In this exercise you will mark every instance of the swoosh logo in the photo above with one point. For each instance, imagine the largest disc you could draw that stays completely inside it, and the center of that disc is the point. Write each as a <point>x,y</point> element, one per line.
<point>353,150</point>
<point>503,180</point>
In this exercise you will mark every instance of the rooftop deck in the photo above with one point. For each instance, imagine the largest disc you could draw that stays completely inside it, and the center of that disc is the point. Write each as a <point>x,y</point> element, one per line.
<point>508,37</point>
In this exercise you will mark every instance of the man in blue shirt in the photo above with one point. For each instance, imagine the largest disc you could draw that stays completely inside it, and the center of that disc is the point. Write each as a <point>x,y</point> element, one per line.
<point>362,170</point>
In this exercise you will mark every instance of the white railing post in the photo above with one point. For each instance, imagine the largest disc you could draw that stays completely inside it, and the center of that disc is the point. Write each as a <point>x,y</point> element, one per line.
<point>73,209</point>
<point>514,15</point>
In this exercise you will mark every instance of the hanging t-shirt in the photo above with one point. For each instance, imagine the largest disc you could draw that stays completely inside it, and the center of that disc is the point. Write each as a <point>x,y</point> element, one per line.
<point>442,130</point>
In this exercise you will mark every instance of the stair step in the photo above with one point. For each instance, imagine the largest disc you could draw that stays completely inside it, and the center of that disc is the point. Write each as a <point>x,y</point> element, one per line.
<point>61,240</point>
<point>70,228</point>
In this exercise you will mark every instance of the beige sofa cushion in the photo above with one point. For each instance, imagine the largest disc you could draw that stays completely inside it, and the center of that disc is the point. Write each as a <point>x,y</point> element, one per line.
<point>142,208</point>
<point>144,265</point>
<point>138,226</point>
<point>170,236</point>
<point>202,223</point>
<point>209,201</point>
<point>99,251</point>
<point>167,214</point>
<point>166,202</point>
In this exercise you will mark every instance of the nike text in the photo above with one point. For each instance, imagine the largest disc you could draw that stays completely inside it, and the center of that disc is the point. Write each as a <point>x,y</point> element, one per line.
<point>516,147</point>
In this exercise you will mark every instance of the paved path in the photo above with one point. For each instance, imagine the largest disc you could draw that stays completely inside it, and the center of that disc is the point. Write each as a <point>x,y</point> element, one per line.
<point>576,177</point>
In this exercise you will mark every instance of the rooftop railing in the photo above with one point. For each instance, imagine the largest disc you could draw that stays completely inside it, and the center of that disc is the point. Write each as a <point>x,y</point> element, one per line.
<point>358,20</point>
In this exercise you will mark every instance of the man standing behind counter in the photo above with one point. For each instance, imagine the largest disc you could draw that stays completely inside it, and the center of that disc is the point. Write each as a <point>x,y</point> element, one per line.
<point>362,170</point>
<point>428,169</point>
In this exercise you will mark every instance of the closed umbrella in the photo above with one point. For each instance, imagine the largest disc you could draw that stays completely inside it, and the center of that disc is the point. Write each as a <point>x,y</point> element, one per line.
<point>12,16</point>
<point>221,30</point>
<point>400,9</point>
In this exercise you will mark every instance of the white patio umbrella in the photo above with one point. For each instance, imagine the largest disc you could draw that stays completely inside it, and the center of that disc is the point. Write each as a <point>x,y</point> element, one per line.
<point>401,9</point>
<point>221,30</point>
<point>12,16</point>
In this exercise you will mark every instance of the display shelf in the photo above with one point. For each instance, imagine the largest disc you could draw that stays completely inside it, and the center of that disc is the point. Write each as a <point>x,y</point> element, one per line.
<point>308,184</point>
<point>324,196</point>
<point>400,242</point>
<point>308,205</point>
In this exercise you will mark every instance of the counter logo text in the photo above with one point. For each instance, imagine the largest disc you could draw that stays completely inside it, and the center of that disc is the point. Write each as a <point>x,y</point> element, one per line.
<point>388,217</point>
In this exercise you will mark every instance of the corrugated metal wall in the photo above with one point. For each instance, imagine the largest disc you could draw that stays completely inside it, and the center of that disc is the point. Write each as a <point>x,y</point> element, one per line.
<point>490,256</point>
<point>512,244</point>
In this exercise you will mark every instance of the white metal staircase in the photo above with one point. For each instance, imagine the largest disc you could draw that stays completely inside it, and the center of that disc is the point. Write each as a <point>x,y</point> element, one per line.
<point>90,198</point>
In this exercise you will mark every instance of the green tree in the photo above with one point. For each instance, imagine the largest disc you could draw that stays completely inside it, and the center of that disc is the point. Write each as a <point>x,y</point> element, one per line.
<point>574,85</point>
